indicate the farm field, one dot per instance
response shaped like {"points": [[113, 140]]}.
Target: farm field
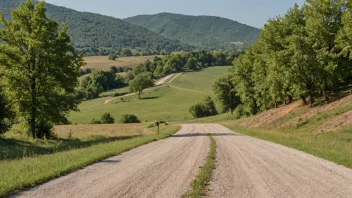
{"points": [[170, 102], [104, 64]]}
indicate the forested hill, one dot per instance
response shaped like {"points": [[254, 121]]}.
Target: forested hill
{"points": [[201, 31], [90, 30]]}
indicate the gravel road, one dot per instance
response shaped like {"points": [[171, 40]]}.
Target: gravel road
{"points": [[246, 167]]}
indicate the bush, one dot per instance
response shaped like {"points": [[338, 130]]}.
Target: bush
{"points": [[45, 130], [107, 119], [129, 118], [239, 112], [94, 121], [205, 109]]}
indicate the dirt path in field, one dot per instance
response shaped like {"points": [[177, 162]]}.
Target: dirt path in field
{"points": [[246, 167], [162, 81]]}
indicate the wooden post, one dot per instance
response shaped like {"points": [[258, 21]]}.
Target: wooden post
{"points": [[157, 124]]}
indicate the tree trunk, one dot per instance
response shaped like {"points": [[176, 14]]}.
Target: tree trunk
{"points": [[34, 109], [311, 99], [139, 94], [289, 99], [325, 94], [304, 100]]}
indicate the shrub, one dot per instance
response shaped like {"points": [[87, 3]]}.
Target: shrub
{"points": [[45, 130], [94, 121], [129, 118], [205, 109], [107, 119], [239, 112]]}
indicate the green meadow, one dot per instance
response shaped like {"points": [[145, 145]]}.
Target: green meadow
{"points": [[169, 102]]}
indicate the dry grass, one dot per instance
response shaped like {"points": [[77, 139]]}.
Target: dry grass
{"points": [[319, 109], [104, 64], [336, 123], [107, 130]]}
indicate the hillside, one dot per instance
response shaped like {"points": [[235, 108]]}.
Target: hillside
{"points": [[89, 30], [169, 102], [201, 31]]}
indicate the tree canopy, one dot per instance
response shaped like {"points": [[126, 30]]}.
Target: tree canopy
{"points": [[39, 66], [303, 55]]}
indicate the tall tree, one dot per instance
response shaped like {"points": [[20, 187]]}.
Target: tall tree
{"points": [[324, 20], [141, 82], [39, 65], [225, 91]]}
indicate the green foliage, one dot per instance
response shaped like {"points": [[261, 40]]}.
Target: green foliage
{"points": [[112, 56], [6, 113], [180, 61], [94, 121], [192, 63], [204, 32], [129, 119], [141, 82], [99, 81], [45, 130], [94, 34], [107, 119], [205, 109], [225, 90], [239, 111], [126, 52], [39, 66], [303, 54]]}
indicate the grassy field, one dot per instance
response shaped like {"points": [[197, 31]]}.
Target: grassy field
{"points": [[170, 102], [26, 163], [103, 63]]}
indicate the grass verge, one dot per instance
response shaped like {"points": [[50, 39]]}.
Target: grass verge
{"points": [[199, 185], [334, 146], [28, 172]]}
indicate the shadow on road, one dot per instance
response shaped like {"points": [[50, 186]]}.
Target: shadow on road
{"points": [[110, 161], [204, 134]]}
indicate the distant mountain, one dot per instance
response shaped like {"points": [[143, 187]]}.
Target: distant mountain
{"points": [[201, 31], [90, 30]]}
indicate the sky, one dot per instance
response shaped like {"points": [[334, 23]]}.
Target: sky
{"points": [[250, 12]]}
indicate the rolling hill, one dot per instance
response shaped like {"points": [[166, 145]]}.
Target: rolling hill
{"points": [[89, 30], [202, 31]]}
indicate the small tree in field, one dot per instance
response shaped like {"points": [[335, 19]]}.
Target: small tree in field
{"points": [[129, 119], [107, 119], [112, 57], [39, 66], [141, 82]]}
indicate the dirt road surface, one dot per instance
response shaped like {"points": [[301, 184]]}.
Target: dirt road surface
{"points": [[161, 169], [246, 167]]}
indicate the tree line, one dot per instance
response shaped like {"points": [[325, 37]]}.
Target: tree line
{"points": [[304, 55], [142, 76]]}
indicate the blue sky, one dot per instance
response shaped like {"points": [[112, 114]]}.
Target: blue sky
{"points": [[251, 12]]}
